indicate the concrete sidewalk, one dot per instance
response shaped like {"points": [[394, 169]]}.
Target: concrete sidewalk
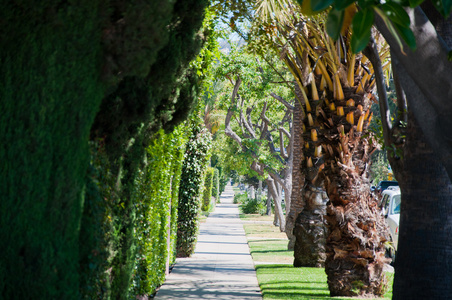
{"points": [[221, 267]]}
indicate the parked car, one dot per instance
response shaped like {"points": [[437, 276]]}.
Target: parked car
{"points": [[384, 184], [390, 206]]}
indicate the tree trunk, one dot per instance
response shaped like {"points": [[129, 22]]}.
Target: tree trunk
{"points": [[276, 195], [424, 255], [310, 231], [252, 194], [356, 229], [432, 74], [355, 247], [298, 180], [269, 204], [259, 191]]}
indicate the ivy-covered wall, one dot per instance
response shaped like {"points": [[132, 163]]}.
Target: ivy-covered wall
{"points": [[156, 201], [196, 159]]}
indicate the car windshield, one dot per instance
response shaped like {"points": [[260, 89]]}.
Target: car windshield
{"points": [[396, 206]]}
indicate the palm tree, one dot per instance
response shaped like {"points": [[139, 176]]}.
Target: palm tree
{"points": [[335, 87]]}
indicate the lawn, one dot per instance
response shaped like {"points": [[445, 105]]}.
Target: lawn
{"points": [[277, 278]]}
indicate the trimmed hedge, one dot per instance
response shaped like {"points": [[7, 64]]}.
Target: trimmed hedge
{"points": [[216, 185], [69, 223], [153, 87], [156, 202], [224, 178], [50, 93], [196, 159], [207, 191]]}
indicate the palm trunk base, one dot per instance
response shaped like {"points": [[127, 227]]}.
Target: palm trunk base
{"points": [[355, 250], [310, 239], [310, 231], [346, 279]]}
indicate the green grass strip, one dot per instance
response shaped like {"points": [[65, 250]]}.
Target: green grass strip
{"points": [[277, 278]]}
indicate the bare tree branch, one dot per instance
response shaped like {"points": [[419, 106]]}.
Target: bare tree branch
{"points": [[264, 126], [280, 99], [248, 124], [401, 97], [282, 132], [267, 134], [227, 123], [281, 145], [371, 52]]}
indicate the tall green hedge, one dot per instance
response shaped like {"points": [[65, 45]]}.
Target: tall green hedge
{"points": [[216, 185], [50, 92], [196, 158], [99, 237], [223, 178], [148, 46], [156, 220], [207, 190], [107, 72]]}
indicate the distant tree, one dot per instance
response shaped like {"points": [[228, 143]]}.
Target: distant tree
{"points": [[254, 125]]}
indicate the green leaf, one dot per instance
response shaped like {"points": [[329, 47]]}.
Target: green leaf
{"points": [[363, 4], [407, 36], [319, 5], [443, 6], [361, 25], [404, 3], [396, 13], [415, 3], [343, 4], [334, 23]]}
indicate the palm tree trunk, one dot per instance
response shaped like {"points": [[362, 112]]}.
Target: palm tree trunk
{"points": [[356, 228], [310, 230], [297, 202]]}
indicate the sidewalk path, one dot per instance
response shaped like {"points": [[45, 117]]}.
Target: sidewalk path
{"points": [[221, 267]]}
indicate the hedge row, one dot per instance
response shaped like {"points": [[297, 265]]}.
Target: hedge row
{"points": [[156, 202], [155, 196], [50, 93], [105, 75], [207, 191], [196, 158], [216, 185]]}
